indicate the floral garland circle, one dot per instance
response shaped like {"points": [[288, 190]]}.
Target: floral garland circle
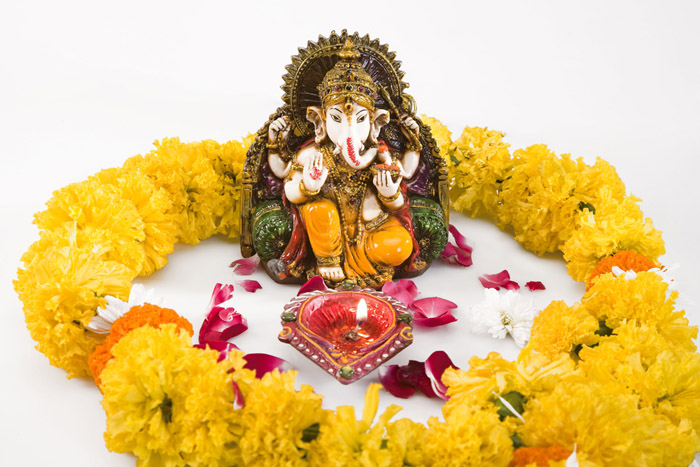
{"points": [[615, 378]]}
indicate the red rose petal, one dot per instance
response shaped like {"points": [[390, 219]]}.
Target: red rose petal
{"points": [[313, 284], [221, 294], [251, 286], [264, 363], [433, 311], [435, 366], [535, 285], [389, 377], [245, 266], [413, 374], [496, 281], [404, 291]]}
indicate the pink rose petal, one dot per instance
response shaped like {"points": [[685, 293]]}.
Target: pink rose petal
{"points": [[223, 347], [404, 291], [389, 377], [238, 400], [264, 363], [312, 285], [461, 254], [221, 325], [433, 311], [221, 294], [535, 285], [245, 266], [421, 320], [250, 286], [496, 281], [435, 366], [460, 239]]}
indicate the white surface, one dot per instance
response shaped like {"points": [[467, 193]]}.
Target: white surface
{"points": [[84, 85]]}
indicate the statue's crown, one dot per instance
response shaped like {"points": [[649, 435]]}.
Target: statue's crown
{"points": [[348, 79]]}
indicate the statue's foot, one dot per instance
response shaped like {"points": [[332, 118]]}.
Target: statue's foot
{"points": [[331, 273]]}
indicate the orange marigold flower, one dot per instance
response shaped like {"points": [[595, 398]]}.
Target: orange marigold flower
{"points": [[627, 260], [539, 456], [138, 316]]}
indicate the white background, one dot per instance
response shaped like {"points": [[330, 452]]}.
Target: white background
{"points": [[84, 85]]}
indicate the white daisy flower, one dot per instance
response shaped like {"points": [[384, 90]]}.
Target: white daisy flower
{"points": [[502, 314], [116, 308]]}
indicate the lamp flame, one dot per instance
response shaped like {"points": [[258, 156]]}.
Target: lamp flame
{"points": [[361, 312]]}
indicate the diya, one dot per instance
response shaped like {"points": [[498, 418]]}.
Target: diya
{"points": [[344, 180], [347, 333]]}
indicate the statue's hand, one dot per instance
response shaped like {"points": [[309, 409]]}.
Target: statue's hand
{"points": [[314, 174], [278, 129], [386, 186], [409, 124]]}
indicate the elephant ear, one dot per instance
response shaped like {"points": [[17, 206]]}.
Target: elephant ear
{"points": [[381, 118], [314, 115]]}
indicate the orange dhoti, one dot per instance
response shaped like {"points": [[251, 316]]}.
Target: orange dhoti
{"points": [[387, 245]]}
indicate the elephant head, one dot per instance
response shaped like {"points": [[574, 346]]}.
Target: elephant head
{"points": [[352, 128]]}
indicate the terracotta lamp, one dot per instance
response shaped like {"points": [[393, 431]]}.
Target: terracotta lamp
{"points": [[347, 333]]}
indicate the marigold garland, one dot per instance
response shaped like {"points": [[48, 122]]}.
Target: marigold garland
{"points": [[617, 375]]}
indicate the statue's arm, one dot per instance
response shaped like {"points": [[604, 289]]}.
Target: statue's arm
{"points": [[411, 157], [278, 133]]}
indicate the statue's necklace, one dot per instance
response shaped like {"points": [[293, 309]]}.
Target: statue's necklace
{"points": [[349, 186]]}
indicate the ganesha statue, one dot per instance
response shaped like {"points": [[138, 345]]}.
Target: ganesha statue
{"points": [[344, 181]]}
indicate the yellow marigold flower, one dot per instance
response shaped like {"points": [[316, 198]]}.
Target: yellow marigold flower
{"points": [[442, 135], [606, 425], [101, 217], [530, 373], [278, 422], [674, 381], [228, 160], [155, 209], [539, 198], [169, 403], [344, 440], [560, 328], [615, 226], [645, 298], [405, 440], [61, 289], [593, 178], [470, 436], [195, 188], [477, 167]]}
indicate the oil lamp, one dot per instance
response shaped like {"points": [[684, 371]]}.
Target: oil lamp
{"points": [[347, 333]]}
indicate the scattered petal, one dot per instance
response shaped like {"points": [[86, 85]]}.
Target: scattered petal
{"points": [[312, 285], [264, 363], [404, 291], [222, 293], [250, 286], [238, 400], [496, 281], [509, 406], [245, 266], [389, 377], [414, 374], [433, 311], [535, 285], [503, 314], [461, 254], [402, 381], [435, 366]]}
